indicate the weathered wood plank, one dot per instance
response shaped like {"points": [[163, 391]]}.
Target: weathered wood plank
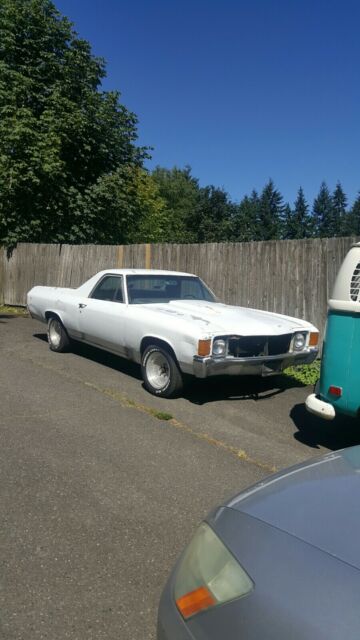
{"points": [[293, 276]]}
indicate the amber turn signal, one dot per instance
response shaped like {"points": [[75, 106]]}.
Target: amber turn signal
{"points": [[204, 347], [314, 339], [195, 601]]}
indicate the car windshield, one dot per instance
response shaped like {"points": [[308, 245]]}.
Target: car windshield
{"points": [[148, 289]]}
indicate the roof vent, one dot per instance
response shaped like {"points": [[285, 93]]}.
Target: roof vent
{"points": [[355, 283]]}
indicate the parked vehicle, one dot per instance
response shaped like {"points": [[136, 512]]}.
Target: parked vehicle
{"points": [[338, 389], [172, 324], [279, 561]]}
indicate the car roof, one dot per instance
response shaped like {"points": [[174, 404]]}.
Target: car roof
{"points": [[156, 272], [317, 502]]}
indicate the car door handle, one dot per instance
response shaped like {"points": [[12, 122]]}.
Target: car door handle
{"points": [[82, 305]]}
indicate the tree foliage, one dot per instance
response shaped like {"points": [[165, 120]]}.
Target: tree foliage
{"points": [[181, 194], [339, 203], [71, 171], [297, 221], [352, 220], [63, 141], [323, 213], [270, 213]]}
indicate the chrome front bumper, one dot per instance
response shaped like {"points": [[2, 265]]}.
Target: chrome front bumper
{"points": [[203, 367]]}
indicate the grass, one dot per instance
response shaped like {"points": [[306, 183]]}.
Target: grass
{"points": [[13, 311], [161, 415], [306, 374]]}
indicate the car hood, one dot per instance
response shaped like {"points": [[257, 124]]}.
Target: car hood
{"points": [[318, 502], [223, 318]]}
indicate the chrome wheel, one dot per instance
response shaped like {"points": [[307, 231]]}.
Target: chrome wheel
{"points": [[158, 370], [58, 338], [55, 333]]}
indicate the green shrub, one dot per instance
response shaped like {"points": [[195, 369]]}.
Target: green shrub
{"points": [[306, 374]]}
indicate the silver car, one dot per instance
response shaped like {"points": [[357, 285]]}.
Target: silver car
{"points": [[280, 561]]}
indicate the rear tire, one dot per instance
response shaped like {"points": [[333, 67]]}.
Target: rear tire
{"points": [[160, 372], [58, 338]]}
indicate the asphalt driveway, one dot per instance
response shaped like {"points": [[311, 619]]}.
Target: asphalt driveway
{"points": [[99, 493]]}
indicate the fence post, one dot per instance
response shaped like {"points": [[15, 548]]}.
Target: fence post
{"points": [[148, 256]]}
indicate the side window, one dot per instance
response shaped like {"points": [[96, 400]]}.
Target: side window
{"points": [[109, 288]]}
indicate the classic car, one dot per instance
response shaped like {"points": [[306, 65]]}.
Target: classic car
{"points": [[172, 324], [280, 561]]}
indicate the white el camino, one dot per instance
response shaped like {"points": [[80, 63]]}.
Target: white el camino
{"points": [[172, 324]]}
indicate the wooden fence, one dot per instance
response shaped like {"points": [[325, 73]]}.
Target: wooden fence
{"points": [[294, 277]]}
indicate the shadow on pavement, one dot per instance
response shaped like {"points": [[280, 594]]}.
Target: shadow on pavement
{"points": [[7, 316], [333, 434], [236, 388], [196, 391], [102, 357]]}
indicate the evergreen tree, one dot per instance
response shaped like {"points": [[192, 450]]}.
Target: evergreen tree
{"points": [[352, 227], [289, 227], [339, 216], [244, 226], [323, 213], [270, 213], [215, 213], [297, 222]]}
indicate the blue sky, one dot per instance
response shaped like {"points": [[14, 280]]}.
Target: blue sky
{"points": [[240, 91]]}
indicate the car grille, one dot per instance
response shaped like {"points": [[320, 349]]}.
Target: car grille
{"points": [[248, 346]]}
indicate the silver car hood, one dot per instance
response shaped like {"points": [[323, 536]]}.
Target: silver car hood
{"points": [[317, 502], [227, 319]]}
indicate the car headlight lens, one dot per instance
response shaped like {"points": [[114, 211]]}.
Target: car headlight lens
{"points": [[299, 341], [219, 347], [208, 575]]}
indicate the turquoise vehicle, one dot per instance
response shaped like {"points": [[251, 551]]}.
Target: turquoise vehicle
{"points": [[338, 389]]}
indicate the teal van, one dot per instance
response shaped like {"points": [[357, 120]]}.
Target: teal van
{"points": [[338, 389]]}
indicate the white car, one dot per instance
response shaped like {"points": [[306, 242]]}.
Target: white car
{"points": [[172, 324]]}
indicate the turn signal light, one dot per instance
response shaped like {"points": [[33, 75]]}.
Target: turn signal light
{"points": [[195, 601], [314, 339], [335, 391], [204, 347]]}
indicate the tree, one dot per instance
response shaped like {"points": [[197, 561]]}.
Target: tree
{"points": [[215, 212], [152, 222], [244, 226], [339, 216], [181, 194], [297, 223], [323, 213], [61, 137], [353, 219], [270, 213]]}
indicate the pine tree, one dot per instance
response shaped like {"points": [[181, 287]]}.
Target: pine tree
{"points": [[215, 213], [322, 213], [353, 219], [244, 220], [297, 221], [339, 217], [270, 213]]}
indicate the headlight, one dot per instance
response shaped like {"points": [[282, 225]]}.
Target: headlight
{"points": [[299, 341], [219, 347], [208, 575]]}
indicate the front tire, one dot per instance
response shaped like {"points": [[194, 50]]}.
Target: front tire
{"points": [[58, 338], [160, 372]]}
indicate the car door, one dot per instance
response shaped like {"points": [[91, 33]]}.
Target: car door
{"points": [[102, 315]]}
